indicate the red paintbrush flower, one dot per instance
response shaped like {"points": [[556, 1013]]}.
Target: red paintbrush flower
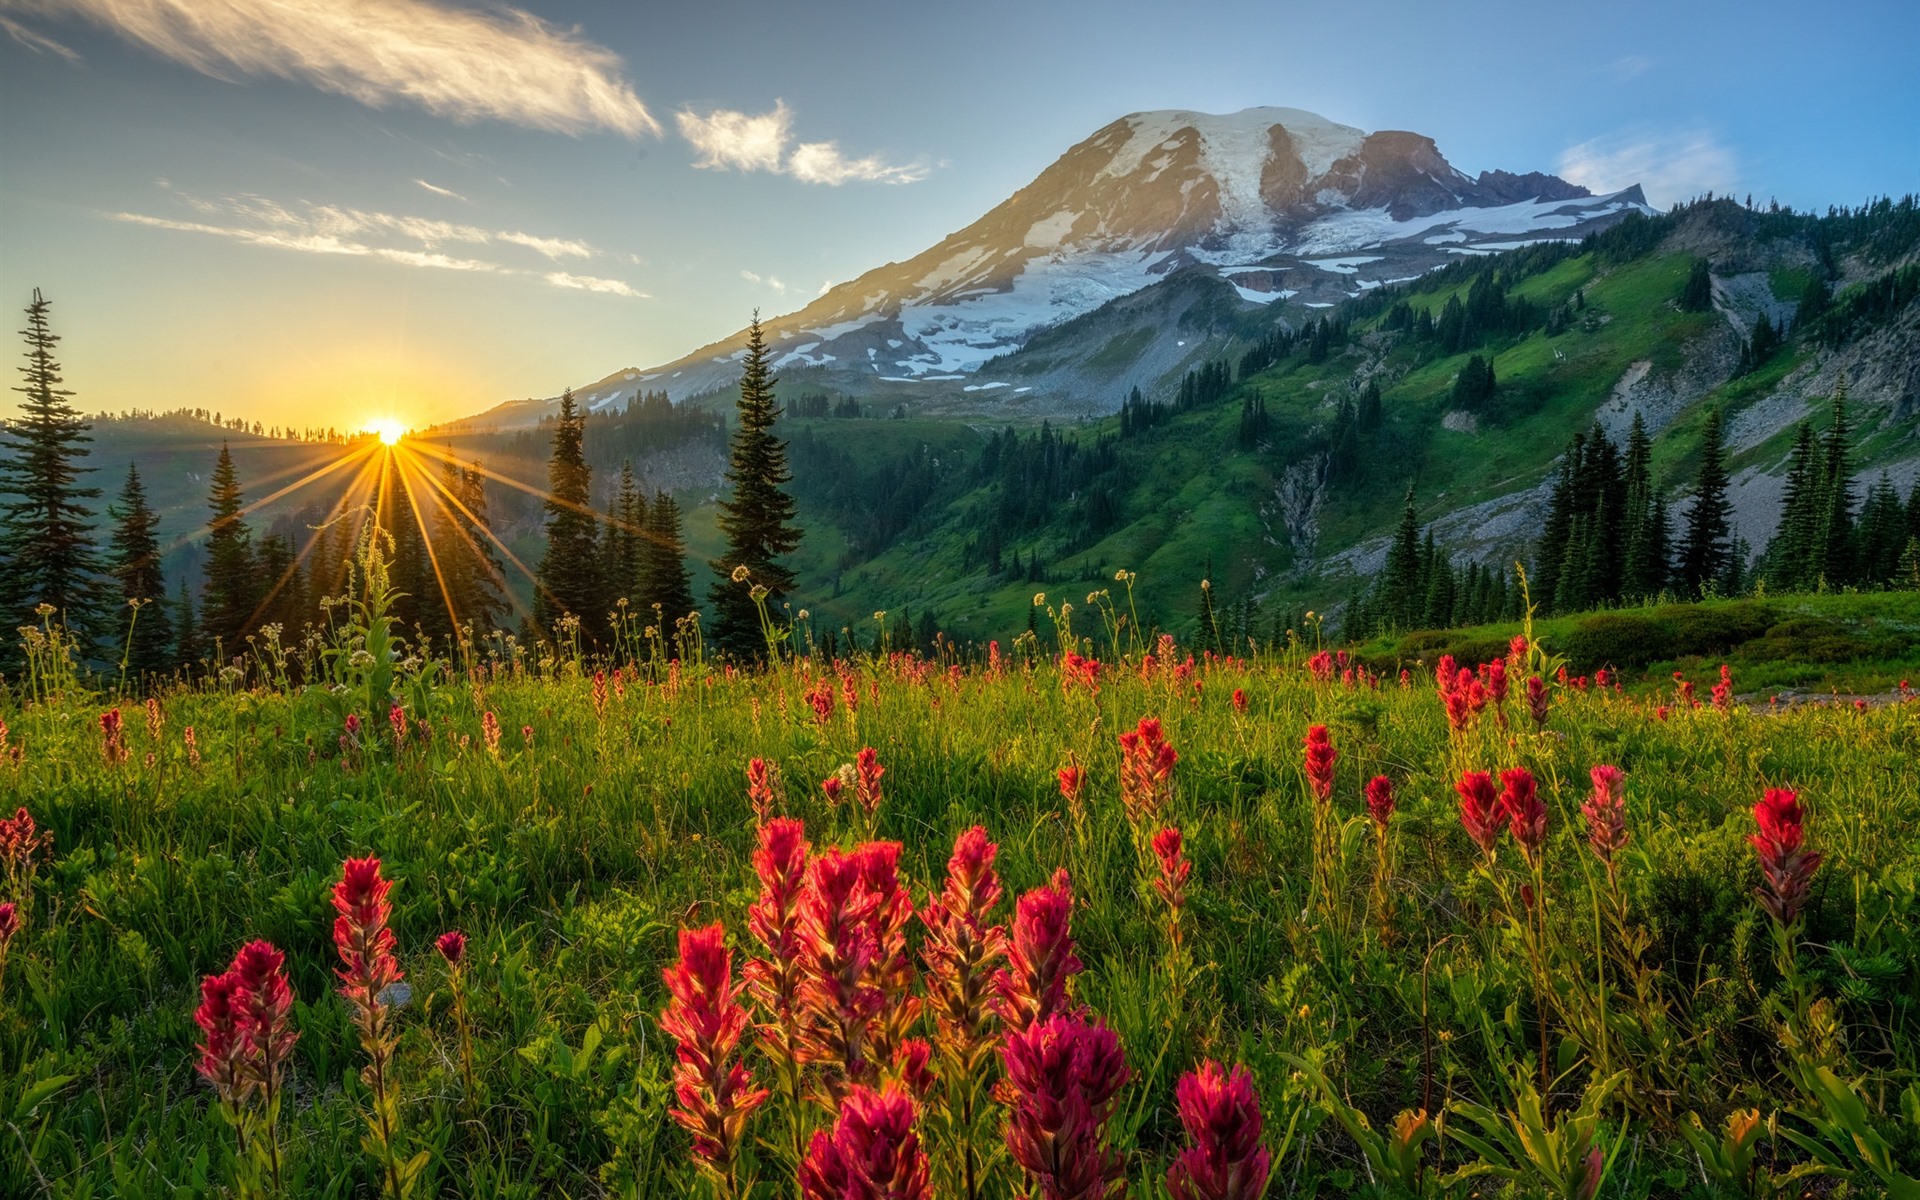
{"points": [[223, 1043], [913, 1069], [1174, 868], [1786, 865], [1224, 1159], [1062, 1075], [361, 936], [760, 789], [1380, 800], [452, 946], [1480, 813], [715, 1092], [838, 997], [1040, 961], [868, 772], [1146, 772], [1239, 700], [1606, 813], [891, 970], [1320, 759], [1537, 701], [264, 1000], [872, 1153], [960, 950], [1526, 815]]}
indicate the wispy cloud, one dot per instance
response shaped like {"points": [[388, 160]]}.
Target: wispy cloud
{"points": [[465, 63], [437, 190], [728, 140], [1670, 166], [389, 237], [39, 43], [589, 283], [770, 282]]}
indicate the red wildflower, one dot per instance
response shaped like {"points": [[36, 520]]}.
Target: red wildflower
{"points": [[774, 921], [820, 697], [1321, 665], [223, 1043], [1606, 813], [960, 950], [872, 1153], [838, 998], [834, 787], [760, 789], [397, 721], [1146, 772], [892, 970], [715, 1092], [9, 922], [111, 743], [1040, 961], [1480, 811], [21, 844], [1537, 701], [1497, 681], [452, 946], [1723, 690], [1072, 780], [1239, 700], [912, 1067], [1786, 866], [1224, 1159], [1062, 1076], [1380, 799], [1526, 815], [264, 1001], [353, 725], [867, 764], [1174, 868], [1320, 759], [361, 936]]}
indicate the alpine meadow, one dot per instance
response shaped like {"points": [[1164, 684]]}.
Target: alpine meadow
{"points": [[1260, 664]]}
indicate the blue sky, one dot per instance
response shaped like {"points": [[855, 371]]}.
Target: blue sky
{"points": [[319, 213]]}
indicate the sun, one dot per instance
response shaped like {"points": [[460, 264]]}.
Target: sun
{"points": [[388, 430]]}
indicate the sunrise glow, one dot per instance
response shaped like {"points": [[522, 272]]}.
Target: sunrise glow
{"points": [[388, 430]]}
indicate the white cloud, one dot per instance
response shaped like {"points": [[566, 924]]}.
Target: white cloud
{"points": [[822, 162], [39, 43], [735, 140], [465, 63], [1670, 166], [726, 140], [388, 237], [589, 283], [766, 281], [449, 193]]}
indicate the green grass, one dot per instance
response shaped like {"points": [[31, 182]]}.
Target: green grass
{"points": [[573, 855]]}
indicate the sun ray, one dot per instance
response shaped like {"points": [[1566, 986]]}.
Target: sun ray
{"points": [[313, 476], [476, 523], [529, 489], [356, 486], [401, 462]]}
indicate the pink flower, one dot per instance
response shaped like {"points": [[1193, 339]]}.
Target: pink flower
{"points": [[223, 1041], [834, 789], [715, 1092], [1239, 700], [452, 946], [9, 923], [360, 933], [1319, 762], [1062, 1075], [1380, 800], [774, 920], [760, 790], [1174, 867], [868, 772], [264, 1000], [1073, 780], [1033, 984], [1537, 701], [1224, 1159], [960, 950], [838, 997]]}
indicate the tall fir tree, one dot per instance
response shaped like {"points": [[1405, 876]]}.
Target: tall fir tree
{"points": [[133, 562], [464, 548], [664, 566], [757, 516], [1790, 556], [1835, 554], [1882, 535], [1551, 553], [569, 576], [1643, 572], [1402, 591], [626, 533], [47, 554], [1706, 553], [188, 649], [231, 587]]}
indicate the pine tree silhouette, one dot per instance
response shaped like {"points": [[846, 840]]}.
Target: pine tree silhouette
{"points": [[757, 517], [134, 563], [569, 575], [231, 589]]}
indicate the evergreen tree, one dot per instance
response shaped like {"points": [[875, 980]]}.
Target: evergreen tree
{"points": [[1473, 388], [757, 518], [1551, 553], [188, 650], [1642, 574], [1439, 607], [1706, 553], [568, 580], [47, 554], [1835, 545], [664, 551], [134, 564], [626, 533], [1790, 556], [1883, 534], [1697, 294], [1402, 591], [464, 547], [231, 588]]}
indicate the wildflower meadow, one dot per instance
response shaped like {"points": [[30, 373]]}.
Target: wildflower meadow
{"points": [[1072, 917]]}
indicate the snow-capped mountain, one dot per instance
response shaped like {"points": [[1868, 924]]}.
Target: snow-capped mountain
{"points": [[1281, 203]]}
